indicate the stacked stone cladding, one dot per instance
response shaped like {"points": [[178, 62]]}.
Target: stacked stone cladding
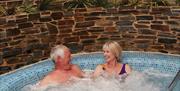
{"points": [[28, 38]]}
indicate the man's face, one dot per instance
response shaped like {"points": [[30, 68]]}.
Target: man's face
{"points": [[67, 56]]}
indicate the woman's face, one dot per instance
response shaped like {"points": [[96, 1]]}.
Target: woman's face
{"points": [[108, 55]]}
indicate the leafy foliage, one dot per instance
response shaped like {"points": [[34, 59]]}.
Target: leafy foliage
{"points": [[7, 11], [134, 3], [160, 2], [102, 3], [26, 7], [178, 2], [29, 7], [77, 4], [113, 3], [44, 4], [2, 11]]}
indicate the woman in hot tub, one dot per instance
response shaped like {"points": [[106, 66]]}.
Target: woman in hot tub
{"points": [[112, 66]]}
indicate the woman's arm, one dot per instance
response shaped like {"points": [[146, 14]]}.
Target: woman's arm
{"points": [[97, 72]]}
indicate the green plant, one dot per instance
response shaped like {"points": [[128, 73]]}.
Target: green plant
{"points": [[77, 4], [26, 7], [160, 3], [178, 2], [102, 3], [59, 1], [44, 4], [133, 3], [117, 3], [3, 11], [139, 3], [87, 3]]}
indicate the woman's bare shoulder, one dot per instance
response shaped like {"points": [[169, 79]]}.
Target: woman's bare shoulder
{"points": [[128, 68]]}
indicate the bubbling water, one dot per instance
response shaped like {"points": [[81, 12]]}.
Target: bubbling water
{"points": [[136, 81]]}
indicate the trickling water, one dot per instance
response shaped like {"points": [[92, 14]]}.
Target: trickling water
{"points": [[136, 81]]}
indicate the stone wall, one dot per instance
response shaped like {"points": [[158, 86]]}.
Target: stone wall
{"points": [[28, 38]]}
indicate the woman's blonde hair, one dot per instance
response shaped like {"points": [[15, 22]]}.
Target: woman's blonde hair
{"points": [[56, 51], [115, 48]]}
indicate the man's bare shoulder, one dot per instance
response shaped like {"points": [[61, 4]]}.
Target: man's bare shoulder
{"points": [[50, 77]]}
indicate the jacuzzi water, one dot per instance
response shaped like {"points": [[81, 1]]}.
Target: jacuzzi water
{"points": [[149, 80]]}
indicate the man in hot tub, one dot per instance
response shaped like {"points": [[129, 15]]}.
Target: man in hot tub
{"points": [[64, 70]]}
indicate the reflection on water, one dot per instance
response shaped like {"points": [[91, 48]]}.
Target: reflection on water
{"points": [[136, 81]]}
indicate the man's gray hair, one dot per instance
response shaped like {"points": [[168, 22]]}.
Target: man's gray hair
{"points": [[57, 51]]}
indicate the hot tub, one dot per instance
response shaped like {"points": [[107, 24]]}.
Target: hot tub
{"points": [[139, 61]]}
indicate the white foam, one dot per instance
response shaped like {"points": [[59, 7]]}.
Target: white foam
{"points": [[136, 81]]}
